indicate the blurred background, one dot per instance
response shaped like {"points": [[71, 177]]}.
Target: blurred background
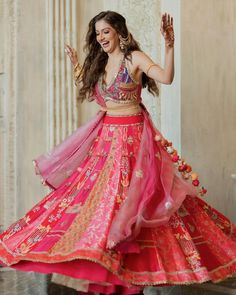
{"points": [[38, 109]]}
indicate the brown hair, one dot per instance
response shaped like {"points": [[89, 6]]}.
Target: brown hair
{"points": [[96, 58]]}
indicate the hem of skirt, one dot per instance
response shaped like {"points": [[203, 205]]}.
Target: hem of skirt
{"points": [[200, 275]]}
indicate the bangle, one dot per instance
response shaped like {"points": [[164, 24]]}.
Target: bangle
{"points": [[152, 65], [77, 71], [77, 66]]}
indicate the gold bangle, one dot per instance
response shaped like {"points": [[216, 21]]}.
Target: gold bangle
{"points": [[76, 76], [77, 71], [77, 65], [152, 65]]}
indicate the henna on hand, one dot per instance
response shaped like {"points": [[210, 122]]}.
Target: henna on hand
{"points": [[167, 30]]}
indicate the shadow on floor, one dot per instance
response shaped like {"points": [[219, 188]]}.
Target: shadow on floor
{"points": [[21, 283]]}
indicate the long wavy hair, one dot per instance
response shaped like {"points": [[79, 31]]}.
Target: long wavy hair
{"points": [[96, 58]]}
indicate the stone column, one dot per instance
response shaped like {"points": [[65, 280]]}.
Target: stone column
{"points": [[62, 117], [22, 128], [37, 106], [8, 19], [171, 94]]}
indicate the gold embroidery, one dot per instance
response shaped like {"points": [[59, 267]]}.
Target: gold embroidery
{"points": [[130, 140], [80, 223], [74, 208], [44, 229], [125, 180], [89, 167], [139, 173]]}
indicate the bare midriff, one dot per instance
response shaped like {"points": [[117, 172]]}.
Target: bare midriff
{"points": [[113, 108]]}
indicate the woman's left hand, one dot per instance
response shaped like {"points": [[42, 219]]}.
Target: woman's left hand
{"points": [[72, 53], [167, 29]]}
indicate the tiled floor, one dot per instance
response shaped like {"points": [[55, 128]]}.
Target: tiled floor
{"points": [[21, 283]]}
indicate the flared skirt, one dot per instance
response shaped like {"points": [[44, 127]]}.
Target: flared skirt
{"points": [[67, 232]]}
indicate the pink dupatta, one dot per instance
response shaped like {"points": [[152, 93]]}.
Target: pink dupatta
{"points": [[59, 163], [154, 194]]}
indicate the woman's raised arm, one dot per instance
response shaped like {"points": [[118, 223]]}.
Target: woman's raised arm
{"points": [[155, 71]]}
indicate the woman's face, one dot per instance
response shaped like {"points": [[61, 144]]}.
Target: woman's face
{"points": [[107, 37]]}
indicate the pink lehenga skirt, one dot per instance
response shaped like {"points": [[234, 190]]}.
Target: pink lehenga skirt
{"points": [[68, 232]]}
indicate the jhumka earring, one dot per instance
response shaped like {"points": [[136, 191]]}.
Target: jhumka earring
{"points": [[124, 42]]}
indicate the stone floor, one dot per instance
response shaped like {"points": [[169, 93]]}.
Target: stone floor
{"points": [[20, 283]]}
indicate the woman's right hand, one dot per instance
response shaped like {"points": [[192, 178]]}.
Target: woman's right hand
{"points": [[167, 29], [72, 53]]}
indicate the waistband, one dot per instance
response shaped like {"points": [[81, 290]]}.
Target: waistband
{"points": [[135, 107], [123, 120]]}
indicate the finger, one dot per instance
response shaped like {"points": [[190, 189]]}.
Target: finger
{"points": [[68, 53], [68, 50], [71, 50], [70, 56], [162, 26], [67, 46], [164, 22], [74, 51]]}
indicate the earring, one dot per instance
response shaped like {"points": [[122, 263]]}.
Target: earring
{"points": [[124, 42]]}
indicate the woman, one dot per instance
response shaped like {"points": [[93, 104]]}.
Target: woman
{"points": [[125, 210]]}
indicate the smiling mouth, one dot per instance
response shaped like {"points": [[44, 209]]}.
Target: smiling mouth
{"points": [[105, 44]]}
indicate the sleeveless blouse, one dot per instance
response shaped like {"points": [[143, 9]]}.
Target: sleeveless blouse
{"points": [[123, 89]]}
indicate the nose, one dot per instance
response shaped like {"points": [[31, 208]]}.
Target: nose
{"points": [[101, 37]]}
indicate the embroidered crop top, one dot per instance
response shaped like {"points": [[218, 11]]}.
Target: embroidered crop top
{"points": [[123, 88]]}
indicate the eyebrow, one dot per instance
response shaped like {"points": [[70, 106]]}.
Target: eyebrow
{"points": [[103, 29]]}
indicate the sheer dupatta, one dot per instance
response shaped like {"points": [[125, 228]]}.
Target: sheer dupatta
{"points": [[56, 165], [59, 163], [156, 191]]}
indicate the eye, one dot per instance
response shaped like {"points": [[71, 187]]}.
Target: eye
{"points": [[106, 32]]}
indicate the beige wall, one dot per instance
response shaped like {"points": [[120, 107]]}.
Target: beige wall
{"points": [[23, 104], [208, 108]]}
